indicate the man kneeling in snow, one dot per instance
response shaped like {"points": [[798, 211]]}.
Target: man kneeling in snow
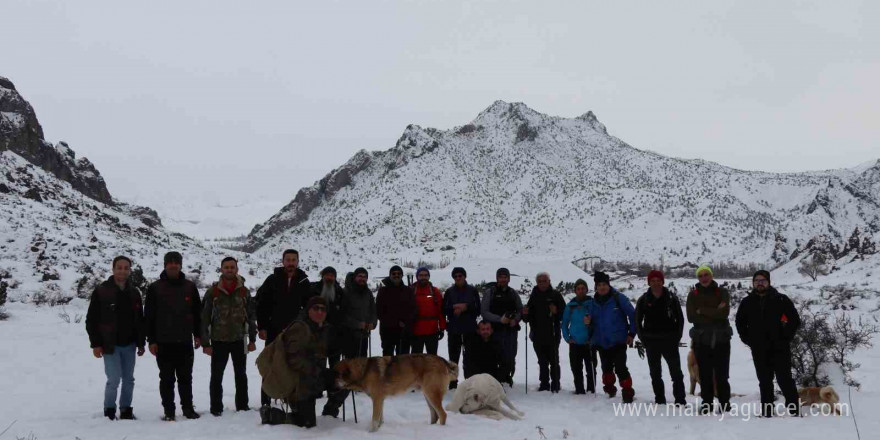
{"points": [[481, 394]]}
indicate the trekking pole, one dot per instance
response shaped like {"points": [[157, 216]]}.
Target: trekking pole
{"points": [[527, 357]]}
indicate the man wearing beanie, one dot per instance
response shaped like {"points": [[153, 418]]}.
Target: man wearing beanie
{"points": [[613, 323], [172, 313], [306, 344], [544, 312], [461, 305], [358, 310], [502, 306], [576, 334], [708, 306], [659, 325], [767, 321], [329, 289], [396, 307], [430, 322]]}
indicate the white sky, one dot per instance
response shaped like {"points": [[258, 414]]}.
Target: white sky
{"points": [[231, 100]]}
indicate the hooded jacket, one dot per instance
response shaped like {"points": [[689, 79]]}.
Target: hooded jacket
{"points": [[172, 310]]}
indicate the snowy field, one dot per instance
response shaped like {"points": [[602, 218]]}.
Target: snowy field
{"points": [[51, 388]]}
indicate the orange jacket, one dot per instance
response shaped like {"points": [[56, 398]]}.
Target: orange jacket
{"points": [[429, 306]]}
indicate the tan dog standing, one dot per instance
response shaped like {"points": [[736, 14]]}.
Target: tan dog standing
{"points": [[386, 376]]}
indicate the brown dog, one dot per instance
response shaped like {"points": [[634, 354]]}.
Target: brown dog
{"points": [[385, 376], [694, 372], [820, 396]]}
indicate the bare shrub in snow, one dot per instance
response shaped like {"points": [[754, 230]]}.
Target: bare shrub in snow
{"points": [[813, 266]]}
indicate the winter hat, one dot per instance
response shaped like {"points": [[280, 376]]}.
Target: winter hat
{"points": [[395, 269], [317, 300], [579, 282], [423, 269], [458, 270], [763, 273], [601, 277], [702, 269], [328, 269], [502, 271], [656, 274], [361, 270]]}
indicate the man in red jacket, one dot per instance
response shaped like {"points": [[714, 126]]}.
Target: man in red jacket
{"points": [[430, 321]]}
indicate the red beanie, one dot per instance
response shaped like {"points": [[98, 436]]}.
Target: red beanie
{"points": [[656, 274]]}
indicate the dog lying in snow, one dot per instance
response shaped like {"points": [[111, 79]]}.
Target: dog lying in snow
{"points": [[820, 396], [481, 394]]}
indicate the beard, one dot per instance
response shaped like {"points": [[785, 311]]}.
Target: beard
{"points": [[328, 292]]}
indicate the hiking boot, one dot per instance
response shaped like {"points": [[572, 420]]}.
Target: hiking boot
{"points": [[725, 407], [127, 414], [579, 391], [453, 385], [216, 412], [190, 413], [610, 390], [330, 412], [110, 413], [544, 387], [169, 416], [243, 408], [555, 387], [628, 394], [680, 402]]}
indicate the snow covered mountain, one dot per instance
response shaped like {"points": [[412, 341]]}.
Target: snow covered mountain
{"points": [[515, 183], [59, 226]]}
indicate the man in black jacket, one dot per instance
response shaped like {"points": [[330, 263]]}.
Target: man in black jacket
{"points": [[114, 323], [544, 312], [461, 305], [502, 306], [483, 353], [280, 300], [767, 321], [659, 325], [173, 312]]}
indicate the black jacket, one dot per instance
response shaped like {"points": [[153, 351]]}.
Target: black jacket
{"points": [[334, 308], [482, 356], [395, 305], [659, 320], [767, 321], [545, 328], [279, 303], [115, 317], [173, 310]]}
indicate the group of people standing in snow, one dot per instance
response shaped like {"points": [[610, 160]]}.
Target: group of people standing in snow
{"points": [[336, 321]]}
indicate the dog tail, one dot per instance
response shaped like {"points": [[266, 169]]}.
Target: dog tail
{"points": [[452, 369], [829, 395]]}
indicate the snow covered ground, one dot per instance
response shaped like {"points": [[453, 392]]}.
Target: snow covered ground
{"points": [[51, 388]]}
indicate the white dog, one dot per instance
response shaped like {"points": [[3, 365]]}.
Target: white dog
{"points": [[482, 395]]}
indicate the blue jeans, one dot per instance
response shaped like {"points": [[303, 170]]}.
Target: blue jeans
{"points": [[119, 366]]}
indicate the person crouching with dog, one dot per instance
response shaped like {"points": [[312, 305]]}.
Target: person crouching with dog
{"points": [[767, 321], [306, 345]]}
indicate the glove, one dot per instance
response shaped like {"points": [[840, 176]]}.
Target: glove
{"points": [[439, 335]]}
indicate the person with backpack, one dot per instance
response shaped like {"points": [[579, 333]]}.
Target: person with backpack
{"points": [[461, 305], [357, 322], [306, 348], [659, 325], [708, 306], [396, 308], [613, 327], [576, 334], [767, 322], [228, 316], [114, 323], [280, 299], [430, 322], [502, 306], [173, 312], [544, 312]]}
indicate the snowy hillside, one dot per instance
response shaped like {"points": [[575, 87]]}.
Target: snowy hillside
{"points": [[515, 183]]}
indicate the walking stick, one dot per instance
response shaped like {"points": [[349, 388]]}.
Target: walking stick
{"points": [[527, 357]]}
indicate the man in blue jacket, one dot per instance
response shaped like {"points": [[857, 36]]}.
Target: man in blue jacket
{"points": [[613, 326], [461, 305], [576, 333]]}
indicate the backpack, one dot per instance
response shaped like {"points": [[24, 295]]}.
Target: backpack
{"points": [[278, 381]]}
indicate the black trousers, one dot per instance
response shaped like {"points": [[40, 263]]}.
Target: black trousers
{"points": [[509, 346], [714, 364], [304, 413], [580, 357], [428, 343], [770, 362], [219, 358], [669, 351], [353, 345], [394, 343], [548, 362], [455, 343], [175, 361], [614, 361]]}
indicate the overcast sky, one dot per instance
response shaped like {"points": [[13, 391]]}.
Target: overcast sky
{"points": [[258, 99]]}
